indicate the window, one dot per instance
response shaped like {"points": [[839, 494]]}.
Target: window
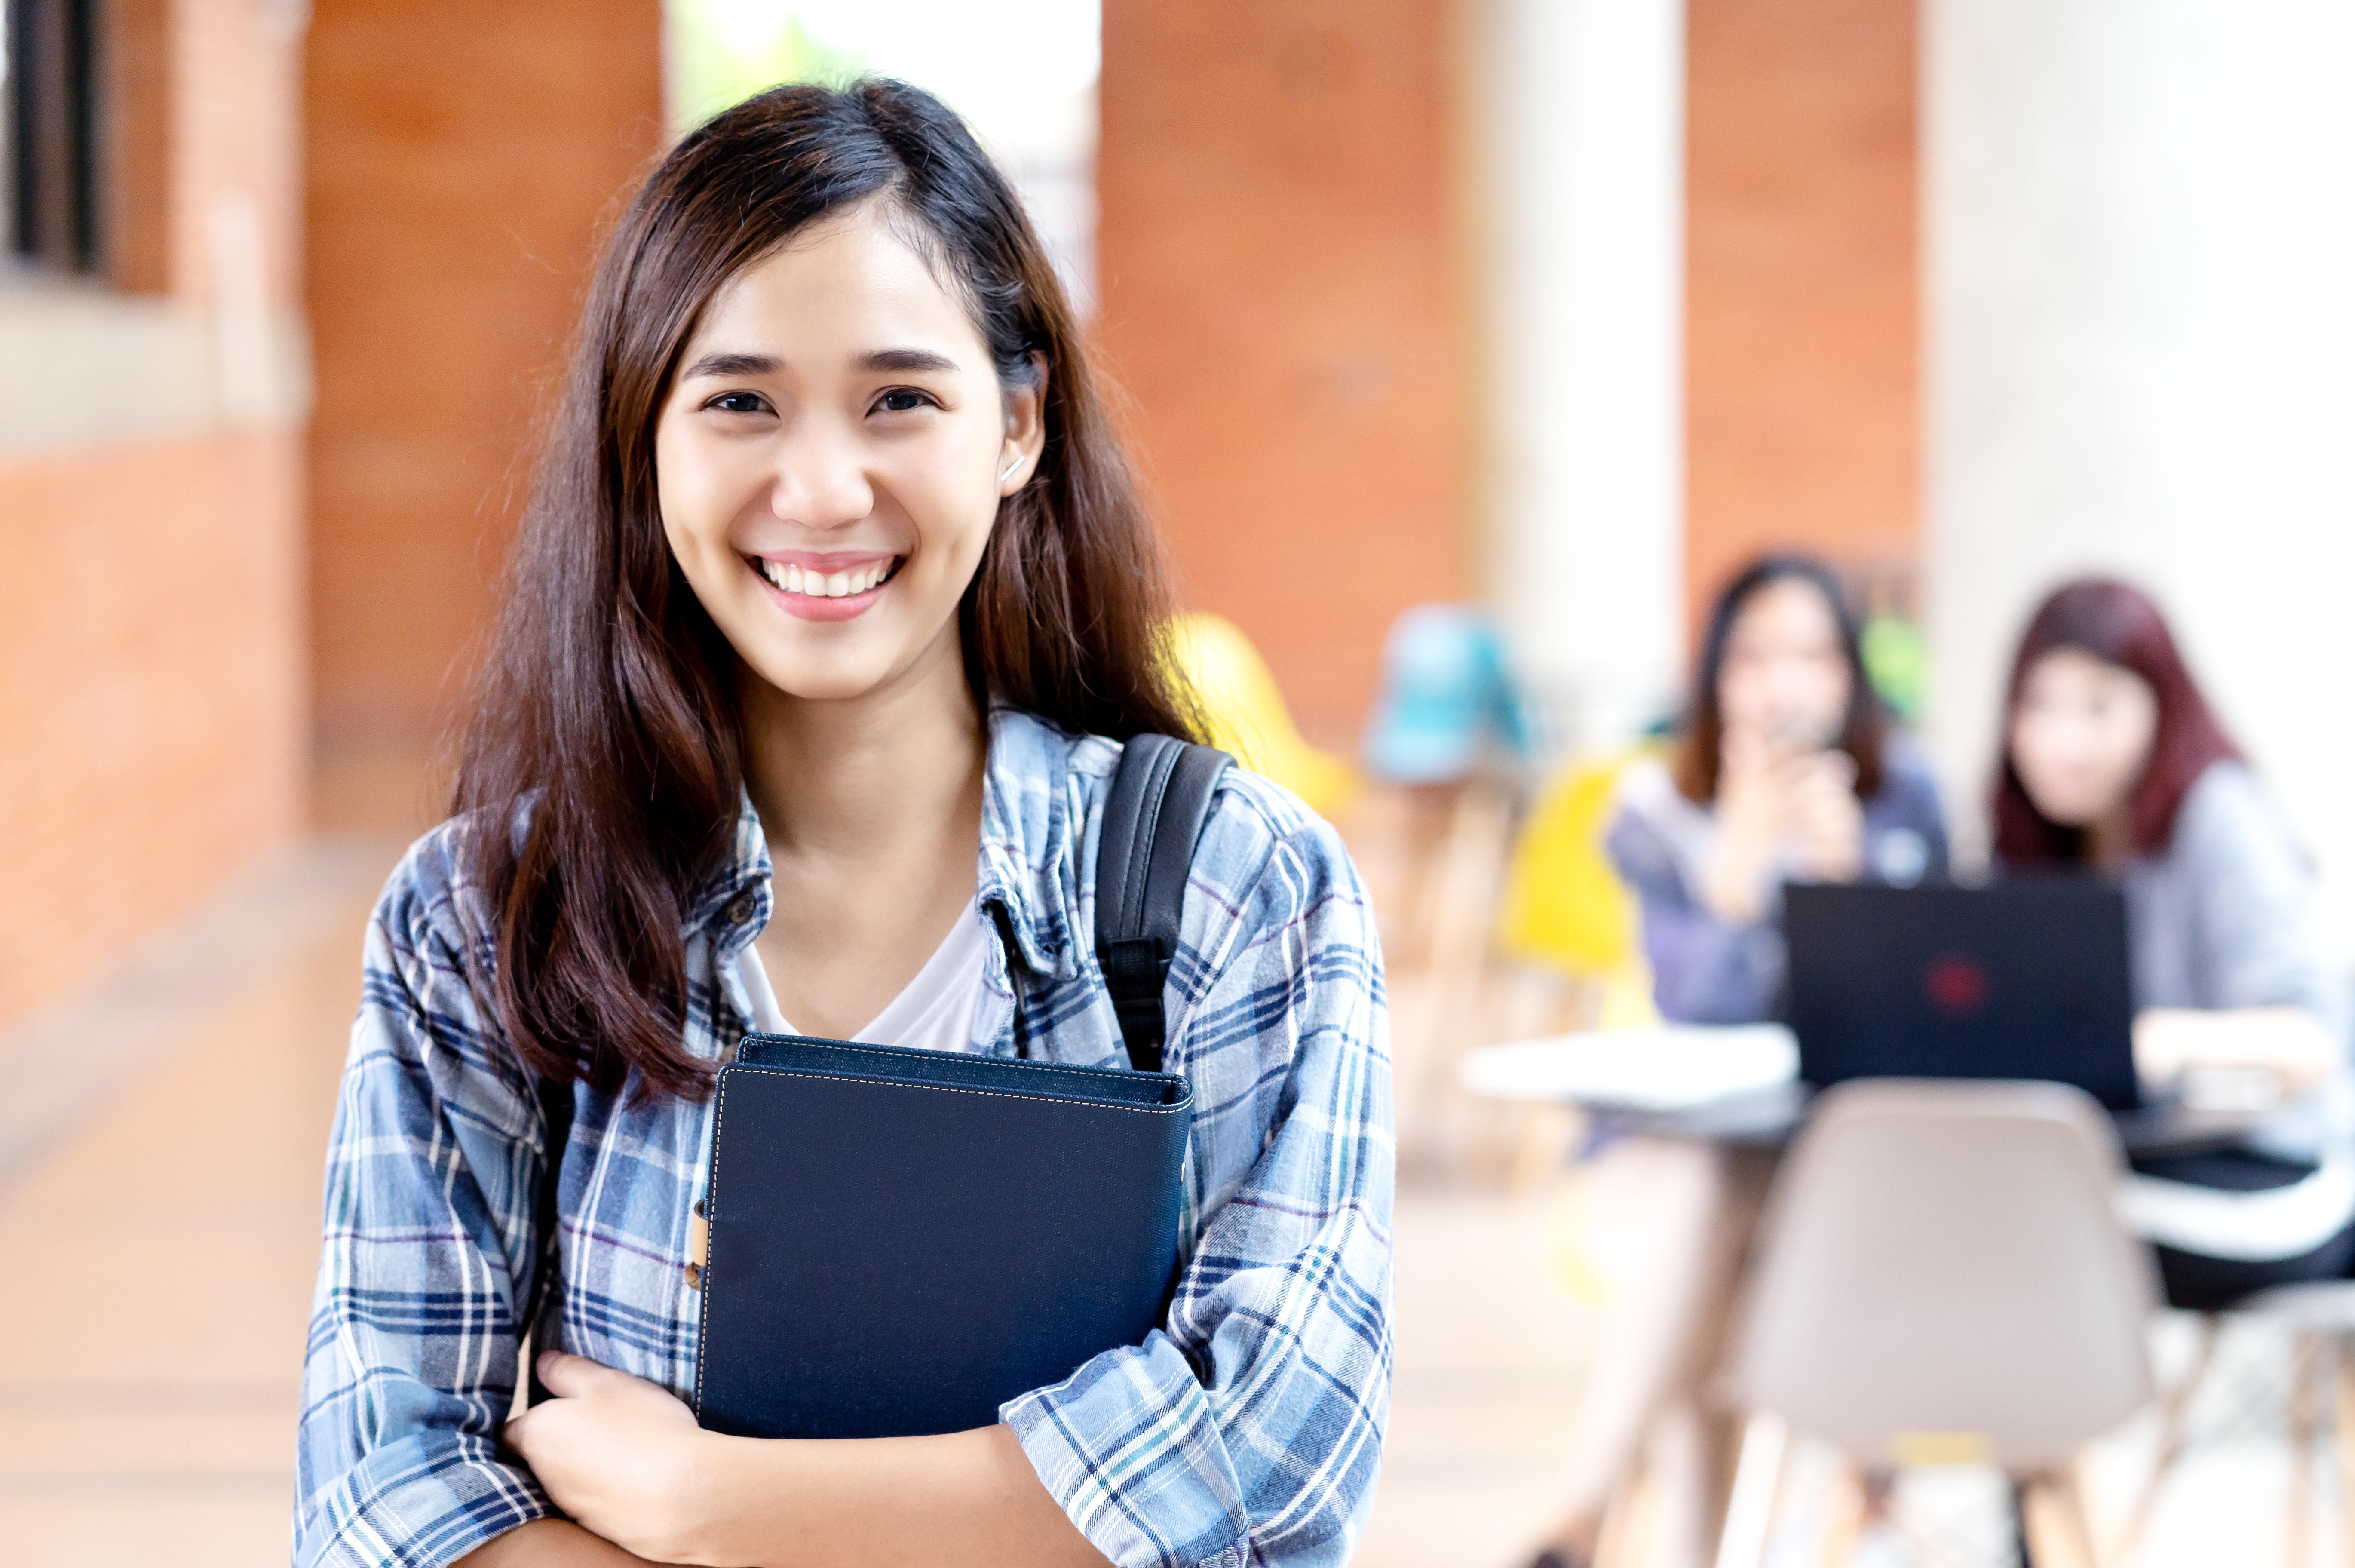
{"points": [[50, 132]]}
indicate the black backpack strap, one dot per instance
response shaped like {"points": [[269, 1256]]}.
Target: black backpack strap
{"points": [[1160, 797], [556, 1115]]}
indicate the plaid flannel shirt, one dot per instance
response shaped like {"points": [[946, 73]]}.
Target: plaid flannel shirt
{"points": [[1246, 1430]]}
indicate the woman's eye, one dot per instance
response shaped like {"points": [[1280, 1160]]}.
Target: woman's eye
{"points": [[902, 400], [739, 403]]}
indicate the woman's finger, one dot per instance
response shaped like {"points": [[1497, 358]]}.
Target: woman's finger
{"points": [[570, 1376]]}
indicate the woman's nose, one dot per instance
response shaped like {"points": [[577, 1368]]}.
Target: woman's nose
{"points": [[822, 483]]}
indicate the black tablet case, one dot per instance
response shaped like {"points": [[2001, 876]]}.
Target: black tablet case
{"points": [[901, 1240]]}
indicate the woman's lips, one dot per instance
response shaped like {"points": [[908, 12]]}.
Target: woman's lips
{"points": [[825, 588]]}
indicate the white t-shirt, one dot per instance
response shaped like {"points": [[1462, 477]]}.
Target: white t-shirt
{"points": [[934, 1012]]}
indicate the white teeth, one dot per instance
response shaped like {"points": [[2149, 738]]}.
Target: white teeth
{"points": [[822, 585]]}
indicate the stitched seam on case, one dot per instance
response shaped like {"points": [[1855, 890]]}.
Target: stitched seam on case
{"points": [[710, 1244], [940, 1089], [1057, 1068], [718, 1121]]}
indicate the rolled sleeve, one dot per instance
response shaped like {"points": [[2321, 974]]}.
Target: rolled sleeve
{"points": [[410, 1364], [1131, 1448], [1252, 1429]]}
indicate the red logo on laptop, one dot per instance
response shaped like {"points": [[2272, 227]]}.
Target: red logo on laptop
{"points": [[1956, 984]]}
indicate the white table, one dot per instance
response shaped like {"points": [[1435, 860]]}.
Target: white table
{"points": [[1739, 1084]]}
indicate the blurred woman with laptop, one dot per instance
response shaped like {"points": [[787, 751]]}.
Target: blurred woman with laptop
{"points": [[1788, 768], [2114, 763]]}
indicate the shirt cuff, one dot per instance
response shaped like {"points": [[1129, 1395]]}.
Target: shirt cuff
{"points": [[421, 1502], [1128, 1446]]}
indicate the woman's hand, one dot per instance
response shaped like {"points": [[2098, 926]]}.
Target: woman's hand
{"points": [[2234, 1059], [623, 1457], [1772, 802], [1826, 821]]}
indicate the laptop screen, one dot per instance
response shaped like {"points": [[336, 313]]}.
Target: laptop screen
{"points": [[2021, 979]]}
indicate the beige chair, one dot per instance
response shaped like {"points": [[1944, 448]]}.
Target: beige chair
{"points": [[1941, 1277]]}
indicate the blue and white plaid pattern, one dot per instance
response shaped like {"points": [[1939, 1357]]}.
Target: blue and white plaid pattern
{"points": [[1247, 1430]]}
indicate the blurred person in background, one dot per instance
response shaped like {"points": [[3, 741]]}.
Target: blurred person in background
{"points": [[1788, 768], [833, 604], [2114, 764]]}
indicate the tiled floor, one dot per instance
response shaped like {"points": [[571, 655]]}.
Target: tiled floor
{"points": [[161, 1255], [160, 1156], [1489, 1351]]}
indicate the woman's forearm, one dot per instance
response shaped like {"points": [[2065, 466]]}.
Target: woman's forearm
{"points": [[970, 1498], [551, 1543], [628, 1460]]}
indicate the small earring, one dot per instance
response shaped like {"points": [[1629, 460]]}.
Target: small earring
{"points": [[1009, 469]]}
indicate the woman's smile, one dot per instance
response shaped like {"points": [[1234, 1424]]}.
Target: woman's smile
{"points": [[825, 587]]}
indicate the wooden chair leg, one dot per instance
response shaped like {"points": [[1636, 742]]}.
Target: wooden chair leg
{"points": [[2070, 1483], [1852, 1502], [2343, 1413], [1757, 1474], [1626, 1529], [2058, 1533], [2305, 1348], [2174, 1413]]}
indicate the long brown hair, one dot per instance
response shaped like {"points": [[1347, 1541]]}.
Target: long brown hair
{"points": [[601, 767], [2118, 623], [1700, 749]]}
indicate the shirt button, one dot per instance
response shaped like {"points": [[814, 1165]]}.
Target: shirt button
{"points": [[741, 907], [694, 1276], [698, 1208]]}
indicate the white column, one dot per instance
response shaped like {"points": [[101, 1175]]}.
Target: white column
{"points": [[2141, 311], [1578, 111]]}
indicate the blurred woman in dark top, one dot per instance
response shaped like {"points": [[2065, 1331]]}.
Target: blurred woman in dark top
{"points": [[1787, 770], [2115, 763]]}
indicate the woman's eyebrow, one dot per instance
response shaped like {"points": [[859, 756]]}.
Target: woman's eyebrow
{"points": [[906, 361], [734, 365], [899, 361]]}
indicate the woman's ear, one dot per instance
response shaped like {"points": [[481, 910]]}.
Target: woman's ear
{"points": [[1026, 430]]}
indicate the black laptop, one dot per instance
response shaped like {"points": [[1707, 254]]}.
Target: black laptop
{"points": [[2019, 979]]}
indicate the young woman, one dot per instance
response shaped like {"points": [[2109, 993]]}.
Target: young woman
{"points": [[1786, 769], [2114, 763], [833, 604]]}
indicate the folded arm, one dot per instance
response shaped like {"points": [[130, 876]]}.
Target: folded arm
{"points": [[411, 1359], [627, 1460]]}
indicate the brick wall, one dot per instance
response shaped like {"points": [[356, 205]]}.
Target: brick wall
{"points": [[461, 159], [152, 694], [1802, 310], [1278, 250], [150, 691]]}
